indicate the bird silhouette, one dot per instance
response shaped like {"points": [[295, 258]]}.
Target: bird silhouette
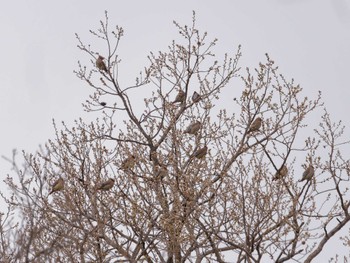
{"points": [[100, 64], [58, 185], [308, 173], [200, 153], [107, 185], [282, 172], [193, 128], [180, 97], [196, 97], [255, 125]]}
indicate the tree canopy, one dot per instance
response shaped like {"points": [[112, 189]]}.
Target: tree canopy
{"points": [[190, 176]]}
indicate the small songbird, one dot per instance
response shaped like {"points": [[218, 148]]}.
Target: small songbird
{"points": [[107, 185], [196, 97], [200, 153], [153, 156], [308, 173], [282, 172], [100, 63], [193, 128], [180, 97], [103, 104], [58, 185], [255, 125], [128, 163]]}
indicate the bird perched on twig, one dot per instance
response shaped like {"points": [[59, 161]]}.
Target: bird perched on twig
{"points": [[128, 163], [100, 64], [180, 97], [282, 172], [200, 153], [153, 156], [107, 185], [308, 173], [193, 128], [255, 125], [196, 97], [58, 185]]}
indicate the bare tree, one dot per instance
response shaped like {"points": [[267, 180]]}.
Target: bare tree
{"points": [[188, 178]]}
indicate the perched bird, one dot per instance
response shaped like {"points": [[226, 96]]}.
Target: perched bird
{"points": [[128, 163], [180, 97], [255, 125], [107, 185], [200, 153], [282, 172], [103, 104], [58, 185], [196, 97], [193, 128], [100, 63], [308, 173], [153, 156]]}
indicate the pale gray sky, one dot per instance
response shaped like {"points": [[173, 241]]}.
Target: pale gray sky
{"points": [[308, 39]]}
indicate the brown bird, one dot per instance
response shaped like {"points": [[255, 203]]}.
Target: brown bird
{"points": [[193, 128], [255, 125], [153, 156], [100, 63], [107, 185], [196, 97], [308, 173], [282, 172], [180, 97], [128, 163], [200, 153], [58, 185]]}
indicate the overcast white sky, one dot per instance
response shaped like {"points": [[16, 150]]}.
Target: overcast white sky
{"points": [[308, 39]]}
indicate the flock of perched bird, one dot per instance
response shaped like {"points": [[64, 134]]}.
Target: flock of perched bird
{"points": [[193, 128], [128, 163]]}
